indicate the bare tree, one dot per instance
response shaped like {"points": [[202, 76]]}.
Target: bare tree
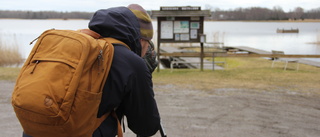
{"points": [[278, 13], [252, 13], [44, 14], [297, 13]]}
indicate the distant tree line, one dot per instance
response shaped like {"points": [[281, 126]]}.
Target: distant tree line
{"points": [[258, 13], [44, 15], [252, 13]]}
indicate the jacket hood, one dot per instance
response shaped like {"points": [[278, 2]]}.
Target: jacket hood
{"points": [[119, 23]]}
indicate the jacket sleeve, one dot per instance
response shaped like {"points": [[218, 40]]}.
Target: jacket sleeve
{"points": [[139, 104]]}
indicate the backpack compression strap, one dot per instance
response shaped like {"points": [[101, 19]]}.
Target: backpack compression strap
{"points": [[112, 113]]}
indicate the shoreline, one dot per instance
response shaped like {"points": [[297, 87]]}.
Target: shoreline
{"points": [[293, 21], [40, 19]]}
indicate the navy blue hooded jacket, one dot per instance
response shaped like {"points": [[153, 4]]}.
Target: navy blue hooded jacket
{"points": [[129, 86]]}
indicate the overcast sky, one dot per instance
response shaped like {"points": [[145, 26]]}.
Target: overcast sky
{"points": [[93, 5]]}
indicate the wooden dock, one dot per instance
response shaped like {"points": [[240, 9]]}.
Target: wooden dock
{"points": [[239, 51], [258, 51], [287, 30]]}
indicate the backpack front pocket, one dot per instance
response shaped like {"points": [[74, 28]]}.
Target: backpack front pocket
{"points": [[44, 87]]}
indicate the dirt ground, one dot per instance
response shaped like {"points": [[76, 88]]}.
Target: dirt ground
{"points": [[223, 113]]}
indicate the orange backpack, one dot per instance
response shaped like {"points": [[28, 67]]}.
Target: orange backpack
{"points": [[59, 88]]}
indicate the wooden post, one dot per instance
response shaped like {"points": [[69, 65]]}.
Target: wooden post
{"points": [[201, 56], [212, 61], [158, 57], [158, 48]]}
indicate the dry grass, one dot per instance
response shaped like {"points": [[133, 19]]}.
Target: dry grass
{"points": [[318, 39], [9, 54]]}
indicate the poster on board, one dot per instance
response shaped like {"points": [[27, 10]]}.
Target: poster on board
{"points": [[195, 25], [184, 37], [181, 27], [166, 30], [177, 37], [193, 34]]}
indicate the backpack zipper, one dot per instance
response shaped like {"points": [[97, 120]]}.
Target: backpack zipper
{"points": [[38, 37], [34, 40], [34, 67], [100, 59]]}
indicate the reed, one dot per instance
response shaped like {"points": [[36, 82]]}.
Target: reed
{"points": [[318, 38], [9, 53]]}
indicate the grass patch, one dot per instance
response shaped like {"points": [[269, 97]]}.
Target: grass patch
{"points": [[245, 73], [8, 73], [241, 73]]}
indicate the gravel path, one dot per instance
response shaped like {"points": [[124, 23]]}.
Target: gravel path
{"points": [[225, 113], [9, 125]]}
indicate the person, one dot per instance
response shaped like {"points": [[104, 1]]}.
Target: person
{"points": [[129, 87]]}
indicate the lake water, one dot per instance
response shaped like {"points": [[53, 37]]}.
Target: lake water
{"points": [[261, 35]]}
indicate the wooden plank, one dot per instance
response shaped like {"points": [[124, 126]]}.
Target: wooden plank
{"points": [[267, 55], [249, 49], [197, 54]]}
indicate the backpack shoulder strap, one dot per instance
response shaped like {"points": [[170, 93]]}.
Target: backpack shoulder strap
{"points": [[90, 33]]}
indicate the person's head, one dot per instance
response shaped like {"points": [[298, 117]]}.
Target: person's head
{"points": [[119, 23], [131, 25], [146, 28]]}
